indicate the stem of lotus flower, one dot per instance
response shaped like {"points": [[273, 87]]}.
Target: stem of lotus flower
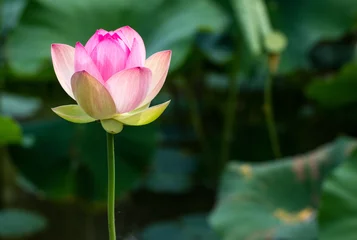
{"points": [[269, 117], [230, 114], [111, 186]]}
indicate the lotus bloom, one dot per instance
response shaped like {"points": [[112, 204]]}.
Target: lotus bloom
{"points": [[111, 79]]}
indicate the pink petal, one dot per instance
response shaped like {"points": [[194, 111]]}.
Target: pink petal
{"points": [[135, 58], [102, 31], [129, 87], [127, 34], [94, 40], [63, 64], [159, 64], [115, 36], [82, 61], [123, 45], [109, 58]]}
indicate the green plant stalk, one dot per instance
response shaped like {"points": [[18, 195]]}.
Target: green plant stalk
{"points": [[111, 186], [194, 113], [2, 177], [3, 166], [229, 116], [269, 117]]}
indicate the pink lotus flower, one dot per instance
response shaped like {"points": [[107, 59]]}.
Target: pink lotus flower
{"points": [[111, 79]]}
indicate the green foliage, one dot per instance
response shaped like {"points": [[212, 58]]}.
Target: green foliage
{"points": [[66, 161], [171, 171], [253, 22], [305, 23], [16, 223], [18, 106], [190, 227], [335, 91], [275, 199], [338, 211], [10, 131], [10, 12], [173, 25], [253, 26], [162, 24]]}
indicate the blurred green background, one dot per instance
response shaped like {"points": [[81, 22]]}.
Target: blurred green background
{"points": [[257, 143]]}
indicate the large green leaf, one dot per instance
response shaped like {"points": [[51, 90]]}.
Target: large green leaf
{"points": [[10, 13], [162, 24], [276, 199], [65, 160], [16, 223], [337, 90], [305, 22], [10, 131], [338, 211], [19, 107]]}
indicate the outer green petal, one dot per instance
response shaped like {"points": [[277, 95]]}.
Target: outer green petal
{"points": [[146, 106], [143, 117], [73, 113], [112, 126], [92, 96]]}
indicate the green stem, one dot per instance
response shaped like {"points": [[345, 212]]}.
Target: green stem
{"points": [[229, 116], [3, 166], [194, 113], [111, 186], [269, 117], [3, 174]]}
